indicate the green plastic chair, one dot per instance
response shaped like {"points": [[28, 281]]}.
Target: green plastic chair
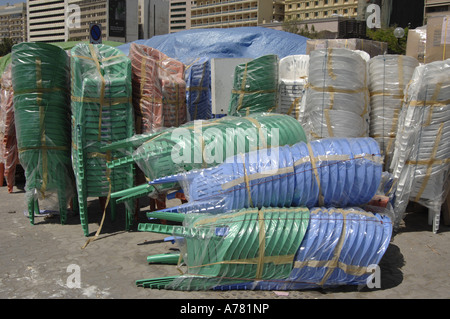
{"points": [[255, 87], [227, 248], [40, 75], [101, 114]]}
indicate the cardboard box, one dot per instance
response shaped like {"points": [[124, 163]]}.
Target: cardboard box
{"points": [[416, 44], [373, 48], [438, 38]]}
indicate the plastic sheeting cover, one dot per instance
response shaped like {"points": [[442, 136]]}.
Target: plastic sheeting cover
{"points": [[249, 42]]}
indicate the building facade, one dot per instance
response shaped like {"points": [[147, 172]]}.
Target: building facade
{"points": [[154, 17], [64, 20], [231, 13], [13, 22], [46, 21], [180, 15], [320, 9]]}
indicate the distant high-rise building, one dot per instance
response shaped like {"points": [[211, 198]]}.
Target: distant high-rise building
{"points": [[180, 15], [13, 22], [63, 20], [320, 9], [231, 13], [46, 21], [154, 17]]}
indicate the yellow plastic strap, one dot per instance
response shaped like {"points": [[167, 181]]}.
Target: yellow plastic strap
{"points": [[108, 177], [333, 263], [43, 146], [330, 64], [256, 176], [445, 38], [102, 89], [328, 121], [316, 173], [436, 92], [109, 101], [187, 67], [262, 245], [294, 107], [329, 89], [260, 131], [247, 182]]}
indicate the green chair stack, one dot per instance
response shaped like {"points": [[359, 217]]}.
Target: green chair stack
{"points": [[255, 87], [102, 113], [40, 75], [222, 249]]}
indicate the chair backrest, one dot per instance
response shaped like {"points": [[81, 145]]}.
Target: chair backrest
{"points": [[294, 67]]}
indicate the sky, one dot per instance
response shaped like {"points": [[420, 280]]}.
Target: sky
{"points": [[4, 2]]}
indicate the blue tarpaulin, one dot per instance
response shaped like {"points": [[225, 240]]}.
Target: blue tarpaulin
{"points": [[244, 42]]}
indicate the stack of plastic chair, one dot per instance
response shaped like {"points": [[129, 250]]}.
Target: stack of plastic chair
{"points": [[208, 143], [421, 158], [255, 87], [293, 78], [275, 249], [40, 75], [198, 89], [323, 173], [9, 157], [102, 113], [159, 89], [389, 75], [337, 102]]}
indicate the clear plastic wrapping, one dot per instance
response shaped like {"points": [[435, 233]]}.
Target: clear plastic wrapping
{"points": [[255, 87], [159, 89], [421, 157], [389, 75], [198, 89], [102, 113], [417, 43], [336, 100], [293, 78], [40, 77], [202, 144], [9, 156], [278, 249], [373, 48], [329, 172]]}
